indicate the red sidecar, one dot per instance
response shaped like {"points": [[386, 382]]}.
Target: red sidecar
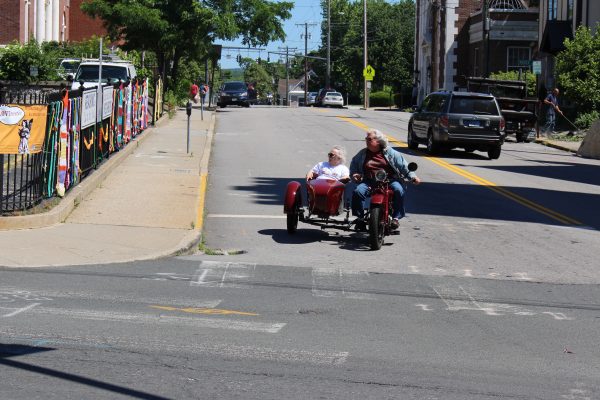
{"points": [[325, 201]]}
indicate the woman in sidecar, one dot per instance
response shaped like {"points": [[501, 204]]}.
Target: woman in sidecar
{"points": [[325, 184]]}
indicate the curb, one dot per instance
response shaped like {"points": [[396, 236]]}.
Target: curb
{"points": [[547, 143], [61, 211]]}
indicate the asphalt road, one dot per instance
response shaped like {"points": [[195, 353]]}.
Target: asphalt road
{"points": [[182, 329], [531, 215], [489, 292]]}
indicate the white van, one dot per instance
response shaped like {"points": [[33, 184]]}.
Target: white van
{"points": [[112, 72]]}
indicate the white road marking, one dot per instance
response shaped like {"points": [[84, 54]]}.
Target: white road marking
{"points": [[216, 274], [199, 322], [424, 307], [251, 216], [20, 310], [558, 316], [348, 282], [219, 349], [449, 294]]}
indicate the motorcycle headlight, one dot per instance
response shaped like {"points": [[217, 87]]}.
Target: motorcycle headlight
{"points": [[380, 175]]}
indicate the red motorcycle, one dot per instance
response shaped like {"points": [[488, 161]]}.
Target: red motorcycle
{"points": [[325, 205]]}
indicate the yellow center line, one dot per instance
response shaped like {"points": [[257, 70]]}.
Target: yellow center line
{"points": [[201, 200], [563, 219], [202, 310]]}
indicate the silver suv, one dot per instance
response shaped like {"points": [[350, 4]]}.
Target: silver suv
{"points": [[449, 119], [112, 72]]}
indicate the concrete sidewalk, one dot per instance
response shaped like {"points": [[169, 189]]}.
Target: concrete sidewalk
{"points": [[144, 202]]}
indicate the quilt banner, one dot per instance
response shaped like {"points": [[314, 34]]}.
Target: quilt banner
{"points": [[22, 128]]}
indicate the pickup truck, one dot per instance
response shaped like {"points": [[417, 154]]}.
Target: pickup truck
{"points": [[519, 112]]}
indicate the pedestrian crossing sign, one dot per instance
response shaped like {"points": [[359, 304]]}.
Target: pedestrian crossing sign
{"points": [[369, 73]]}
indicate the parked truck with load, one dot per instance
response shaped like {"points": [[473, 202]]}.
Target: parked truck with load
{"points": [[519, 111]]}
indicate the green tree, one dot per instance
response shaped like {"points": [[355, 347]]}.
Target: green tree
{"points": [[174, 29], [390, 39], [578, 69]]}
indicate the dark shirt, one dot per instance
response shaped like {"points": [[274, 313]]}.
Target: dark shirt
{"points": [[374, 162], [552, 99]]}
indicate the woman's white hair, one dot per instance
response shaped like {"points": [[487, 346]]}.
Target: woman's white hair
{"points": [[341, 153], [380, 137]]}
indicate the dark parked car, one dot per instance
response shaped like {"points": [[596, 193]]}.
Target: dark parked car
{"points": [[449, 119], [233, 93]]}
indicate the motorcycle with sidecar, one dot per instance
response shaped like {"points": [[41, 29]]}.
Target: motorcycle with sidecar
{"points": [[327, 207]]}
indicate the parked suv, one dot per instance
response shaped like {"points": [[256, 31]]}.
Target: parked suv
{"points": [[233, 93], [112, 72], [452, 119]]}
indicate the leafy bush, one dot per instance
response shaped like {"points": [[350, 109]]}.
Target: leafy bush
{"points": [[527, 76], [16, 61], [585, 120], [380, 99]]}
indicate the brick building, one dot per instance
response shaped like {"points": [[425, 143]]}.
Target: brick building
{"points": [[454, 40], [46, 20], [83, 27]]}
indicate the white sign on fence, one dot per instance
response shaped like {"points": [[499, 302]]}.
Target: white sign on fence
{"points": [[88, 108], [107, 102]]}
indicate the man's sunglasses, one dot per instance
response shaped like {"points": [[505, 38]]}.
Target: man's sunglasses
{"points": [[331, 155]]}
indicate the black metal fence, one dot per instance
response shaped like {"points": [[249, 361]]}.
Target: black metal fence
{"points": [[21, 175], [26, 179]]}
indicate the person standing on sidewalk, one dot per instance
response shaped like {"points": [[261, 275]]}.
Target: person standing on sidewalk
{"points": [[194, 93], [551, 102]]}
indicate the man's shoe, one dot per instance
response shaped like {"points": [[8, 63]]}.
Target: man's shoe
{"points": [[395, 224], [359, 225]]}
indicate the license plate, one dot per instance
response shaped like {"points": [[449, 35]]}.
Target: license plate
{"points": [[472, 123], [234, 99]]}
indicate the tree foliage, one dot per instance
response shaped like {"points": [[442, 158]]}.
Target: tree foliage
{"points": [[527, 77], [390, 43], [16, 61], [578, 69], [174, 29]]}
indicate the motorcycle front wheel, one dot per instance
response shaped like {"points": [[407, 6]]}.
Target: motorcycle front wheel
{"points": [[376, 228]]}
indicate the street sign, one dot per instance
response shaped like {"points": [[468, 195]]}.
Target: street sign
{"points": [[536, 67], [369, 73]]}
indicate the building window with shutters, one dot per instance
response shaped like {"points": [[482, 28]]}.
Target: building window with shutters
{"points": [[552, 9], [518, 58]]}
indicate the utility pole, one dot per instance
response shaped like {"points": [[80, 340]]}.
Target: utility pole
{"points": [[435, 59], [486, 35], [306, 24], [365, 60], [287, 73], [327, 76]]}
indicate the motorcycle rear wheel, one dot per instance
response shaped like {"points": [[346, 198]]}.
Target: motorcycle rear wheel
{"points": [[376, 228]]}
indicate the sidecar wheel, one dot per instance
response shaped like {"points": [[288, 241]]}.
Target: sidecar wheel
{"points": [[376, 229], [292, 216]]}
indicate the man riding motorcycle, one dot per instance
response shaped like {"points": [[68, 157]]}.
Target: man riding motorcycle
{"points": [[375, 156]]}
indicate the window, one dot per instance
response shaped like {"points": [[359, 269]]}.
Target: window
{"points": [[473, 105], [552, 9], [570, 10], [518, 58]]}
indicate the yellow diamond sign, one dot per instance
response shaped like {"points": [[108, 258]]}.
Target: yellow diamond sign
{"points": [[369, 73]]}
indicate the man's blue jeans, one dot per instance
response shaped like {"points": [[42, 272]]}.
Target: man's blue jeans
{"points": [[550, 122], [363, 191]]}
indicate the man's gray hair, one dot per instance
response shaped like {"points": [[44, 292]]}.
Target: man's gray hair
{"points": [[381, 138], [341, 152]]}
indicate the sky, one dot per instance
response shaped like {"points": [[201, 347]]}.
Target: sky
{"points": [[304, 11]]}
